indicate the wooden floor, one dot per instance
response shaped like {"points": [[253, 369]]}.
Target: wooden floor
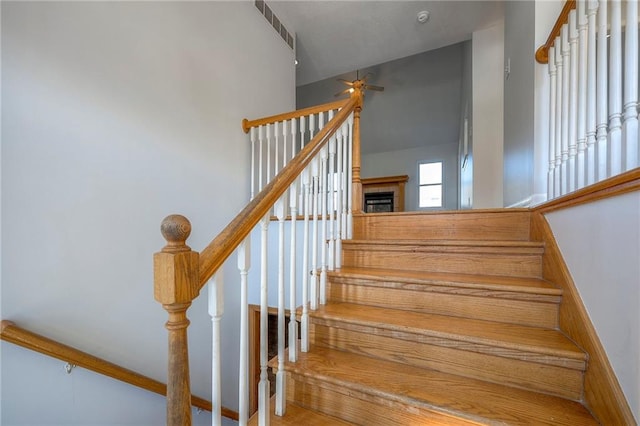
{"points": [[438, 319]]}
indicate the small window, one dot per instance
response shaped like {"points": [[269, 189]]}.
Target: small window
{"points": [[430, 181]]}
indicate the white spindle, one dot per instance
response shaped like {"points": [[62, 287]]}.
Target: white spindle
{"points": [[304, 321], [253, 161], [350, 180], [263, 385], [557, 189], [294, 130], [344, 187], [268, 156], [261, 156], [615, 89], [602, 78], [573, 101], [276, 135], [630, 126], [566, 84], [324, 213], [552, 123], [592, 9], [280, 382], [216, 310], [330, 200], [312, 126], [293, 322], [244, 263], [341, 212], [581, 18], [284, 143], [313, 280]]}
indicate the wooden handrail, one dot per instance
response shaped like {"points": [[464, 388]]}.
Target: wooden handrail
{"points": [[542, 54], [11, 333], [248, 124], [214, 255]]}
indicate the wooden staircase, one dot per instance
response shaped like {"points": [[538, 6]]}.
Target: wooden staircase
{"points": [[439, 318]]}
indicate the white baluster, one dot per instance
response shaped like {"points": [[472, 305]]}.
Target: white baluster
{"points": [[285, 159], [216, 310], [304, 321], [280, 375], [343, 185], [276, 134], [615, 89], [350, 180], [341, 209], [552, 122], [573, 101], [557, 189], [261, 156], [630, 126], [293, 322], [566, 85], [313, 281], [303, 129], [581, 18], [253, 161], [601, 89], [268, 156], [330, 200], [244, 263], [323, 209], [294, 130], [263, 385], [312, 125], [591, 91]]}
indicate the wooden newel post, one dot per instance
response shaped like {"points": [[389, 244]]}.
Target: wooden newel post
{"points": [[356, 180], [176, 284]]}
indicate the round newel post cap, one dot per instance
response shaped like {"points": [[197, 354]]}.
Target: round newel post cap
{"points": [[175, 229]]}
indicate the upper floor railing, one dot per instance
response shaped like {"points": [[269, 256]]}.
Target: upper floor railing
{"points": [[302, 163], [592, 57]]}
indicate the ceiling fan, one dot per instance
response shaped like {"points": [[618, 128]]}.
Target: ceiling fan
{"points": [[361, 83]]}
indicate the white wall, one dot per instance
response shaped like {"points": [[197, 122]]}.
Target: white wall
{"points": [[115, 115], [405, 162], [488, 54], [546, 13], [600, 243]]}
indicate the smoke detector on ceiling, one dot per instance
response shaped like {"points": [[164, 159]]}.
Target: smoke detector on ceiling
{"points": [[423, 16]]}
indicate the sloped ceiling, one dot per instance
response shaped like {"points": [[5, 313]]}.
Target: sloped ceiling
{"points": [[336, 37]]}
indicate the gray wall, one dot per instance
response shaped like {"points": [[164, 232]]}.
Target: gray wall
{"points": [[466, 111], [115, 115], [419, 109], [519, 48]]}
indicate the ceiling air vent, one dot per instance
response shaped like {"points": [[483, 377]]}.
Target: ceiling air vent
{"points": [[273, 20]]}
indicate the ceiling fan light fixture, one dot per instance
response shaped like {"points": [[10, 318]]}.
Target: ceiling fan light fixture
{"points": [[423, 16]]}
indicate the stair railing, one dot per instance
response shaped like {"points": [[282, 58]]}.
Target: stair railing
{"points": [[593, 123], [322, 183]]}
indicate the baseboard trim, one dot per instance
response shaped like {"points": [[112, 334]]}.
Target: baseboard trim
{"points": [[530, 201], [603, 394]]}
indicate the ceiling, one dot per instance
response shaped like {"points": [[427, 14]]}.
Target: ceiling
{"points": [[335, 37]]}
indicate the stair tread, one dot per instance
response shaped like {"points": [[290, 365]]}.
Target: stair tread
{"points": [[528, 339], [470, 398], [296, 415], [490, 282], [463, 243]]}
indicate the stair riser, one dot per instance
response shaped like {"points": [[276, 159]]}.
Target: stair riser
{"points": [[513, 226], [498, 365], [360, 407], [518, 265], [485, 305]]}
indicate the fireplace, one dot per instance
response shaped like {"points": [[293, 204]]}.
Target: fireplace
{"points": [[378, 202], [383, 194]]}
